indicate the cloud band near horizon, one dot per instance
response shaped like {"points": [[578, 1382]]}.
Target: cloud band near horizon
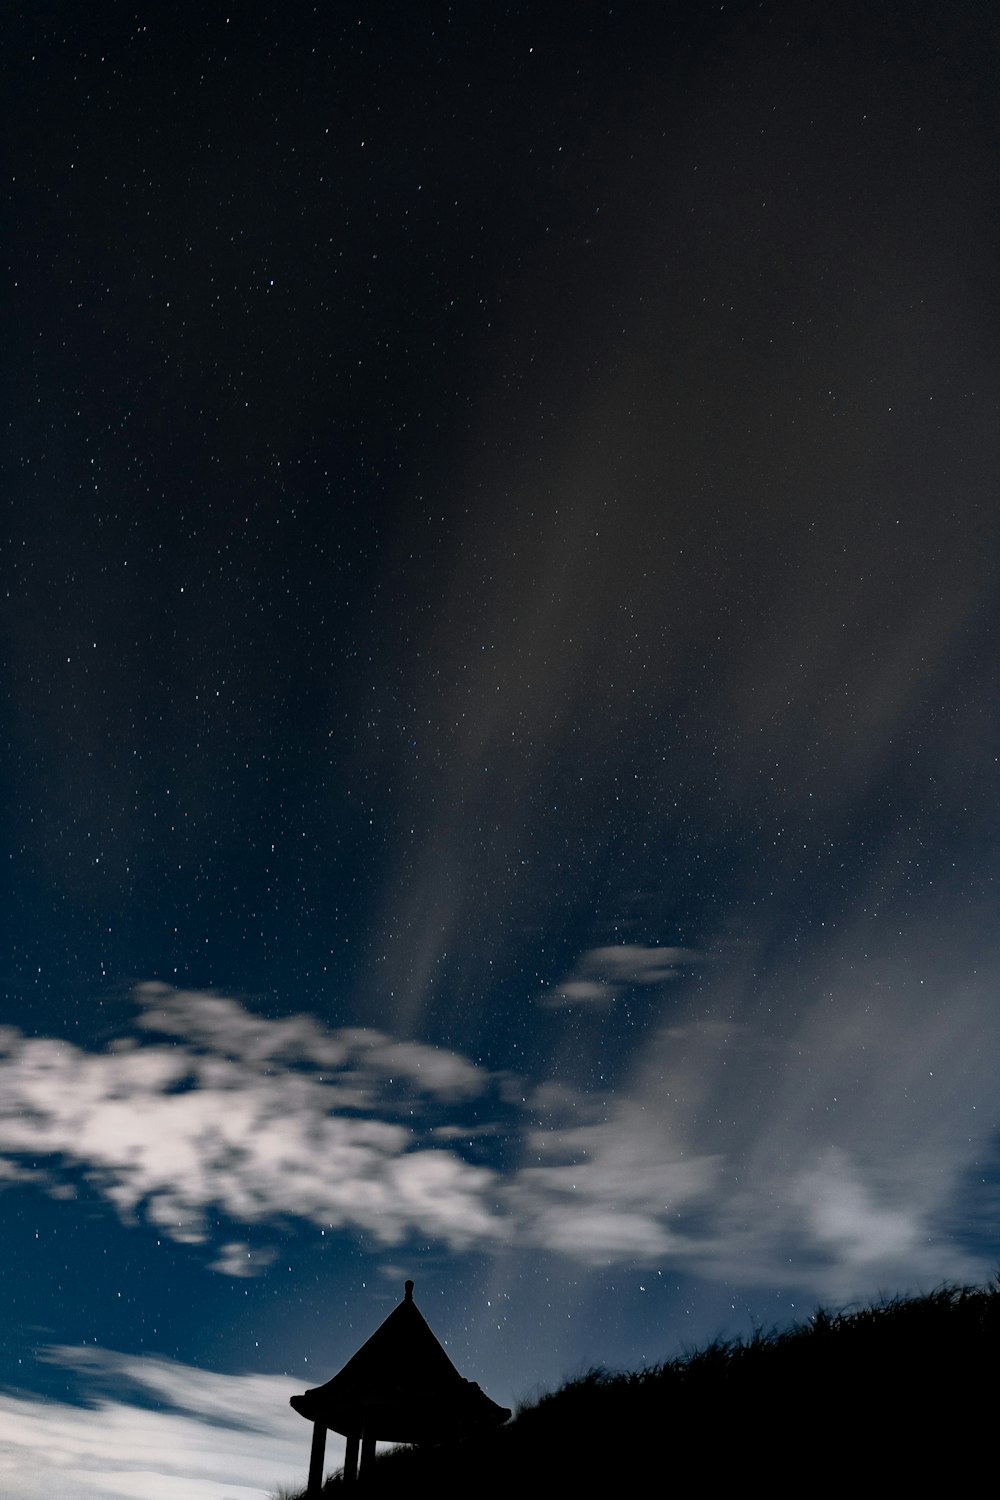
{"points": [[206, 1110]]}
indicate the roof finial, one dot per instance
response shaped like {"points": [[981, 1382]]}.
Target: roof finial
{"points": [[408, 1289]]}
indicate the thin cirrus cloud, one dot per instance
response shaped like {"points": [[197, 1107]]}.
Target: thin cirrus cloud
{"points": [[222, 1437]]}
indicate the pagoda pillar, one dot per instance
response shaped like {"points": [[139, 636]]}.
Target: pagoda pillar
{"points": [[316, 1456], [351, 1457]]}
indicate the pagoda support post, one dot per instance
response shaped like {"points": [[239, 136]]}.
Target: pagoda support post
{"points": [[316, 1457], [351, 1457], [367, 1451]]}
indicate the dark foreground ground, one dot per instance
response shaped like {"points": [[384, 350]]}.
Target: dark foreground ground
{"points": [[896, 1395]]}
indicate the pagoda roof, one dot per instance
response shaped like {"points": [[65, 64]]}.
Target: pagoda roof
{"points": [[402, 1384]]}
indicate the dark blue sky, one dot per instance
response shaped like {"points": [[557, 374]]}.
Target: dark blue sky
{"points": [[500, 717]]}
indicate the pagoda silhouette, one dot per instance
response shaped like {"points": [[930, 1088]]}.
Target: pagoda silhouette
{"points": [[400, 1387]]}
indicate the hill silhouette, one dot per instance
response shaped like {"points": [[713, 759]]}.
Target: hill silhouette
{"points": [[893, 1394]]}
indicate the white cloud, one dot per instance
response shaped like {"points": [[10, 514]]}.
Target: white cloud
{"points": [[829, 1154], [237, 1258], [227, 1028], [617, 1197], [576, 991], [220, 1437], [842, 1214], [634, 963], [600, 973], [821, 1156], [843, 1137], [12, 1171], [263, 1120]]}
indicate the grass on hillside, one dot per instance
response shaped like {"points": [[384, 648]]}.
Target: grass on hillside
{"points": [[901, 1392]]}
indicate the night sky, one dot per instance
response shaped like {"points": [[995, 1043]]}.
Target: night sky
{"points": [[500, 724]]}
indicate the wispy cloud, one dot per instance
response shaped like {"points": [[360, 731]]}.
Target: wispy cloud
{"points": [[602, 973], [611, 1190], [154, 1429], [223, 1025], [238, 1258], [819, 1156], [845, 1121]]}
